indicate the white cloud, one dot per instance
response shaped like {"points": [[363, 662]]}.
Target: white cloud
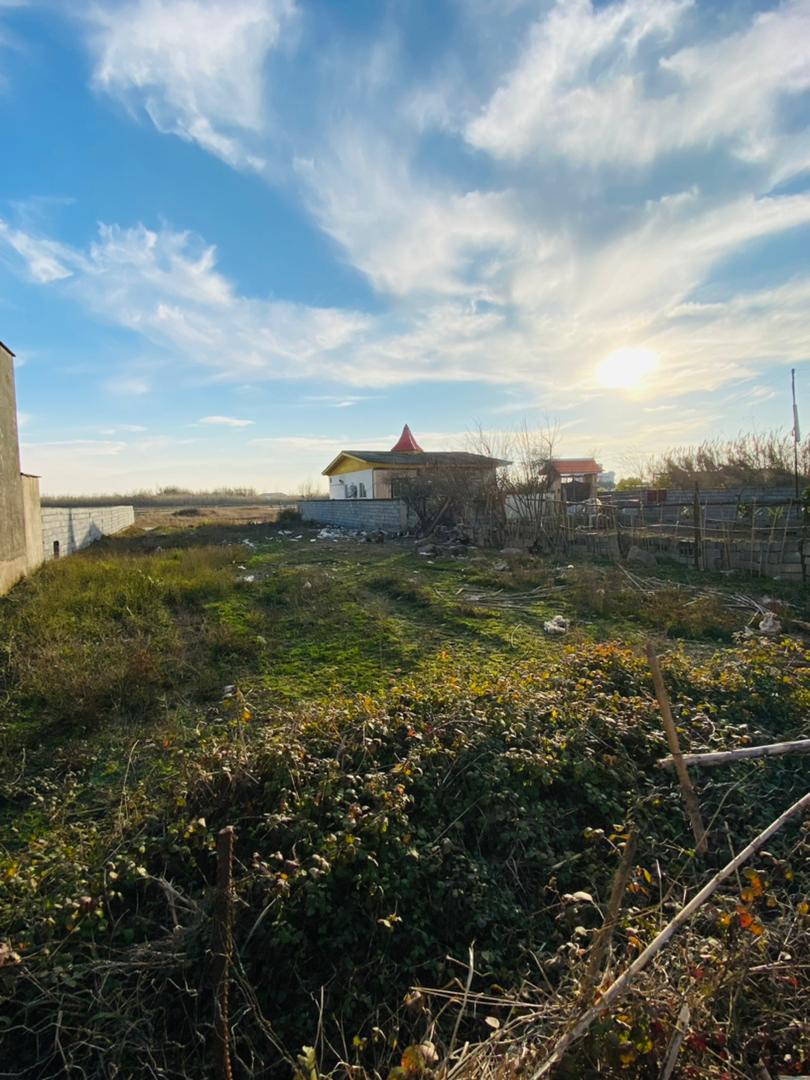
{"points": [[225, 421], [43, 258], [406, 235], [165, 286], [8, 40], [83, 447], [297, 442], [134, 385], [339, 401], [550, 319], [585, 88], [195, 66]]}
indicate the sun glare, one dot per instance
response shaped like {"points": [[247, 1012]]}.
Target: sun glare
{"points": [[626, 368]]}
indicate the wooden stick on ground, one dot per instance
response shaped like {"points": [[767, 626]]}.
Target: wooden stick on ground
{"points": [[617, 988], [722, 757], [604, 936], [681, 1028], [689, 795], [221, 950]]}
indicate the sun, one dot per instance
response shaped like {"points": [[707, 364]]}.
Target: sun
{"points": [[626, 368]]}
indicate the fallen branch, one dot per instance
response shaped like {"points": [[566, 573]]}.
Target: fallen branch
{"points": [[722, 757], [620, 985], [689, 795], [604, 936], [681, 1028]]}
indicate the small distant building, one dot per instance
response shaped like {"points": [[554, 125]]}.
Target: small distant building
{"points": [[574, 479], [372, 474]]}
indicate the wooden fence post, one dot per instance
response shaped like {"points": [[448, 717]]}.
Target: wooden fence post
{"points": [[689, 795], [221, 950], [696, 525]]}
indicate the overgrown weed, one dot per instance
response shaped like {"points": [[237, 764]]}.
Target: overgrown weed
{"points": [[376, 837]]}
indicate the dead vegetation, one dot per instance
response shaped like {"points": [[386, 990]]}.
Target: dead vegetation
{"points": [[425, 868]]}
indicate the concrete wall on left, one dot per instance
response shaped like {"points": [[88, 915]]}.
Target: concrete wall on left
{"points": [[66, 529], [32, 521], [13, 556]]}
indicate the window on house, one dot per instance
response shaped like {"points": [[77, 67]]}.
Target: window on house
{"points": [[361, 491], [56, 549]]}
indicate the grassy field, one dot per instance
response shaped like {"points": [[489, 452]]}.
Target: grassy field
{"points": [[413, 766], [179, 516]]}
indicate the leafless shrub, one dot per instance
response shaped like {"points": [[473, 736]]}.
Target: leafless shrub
{"points": [[749, 460]]}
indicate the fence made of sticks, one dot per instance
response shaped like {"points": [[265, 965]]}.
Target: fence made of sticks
{"points": [[763, 534]]}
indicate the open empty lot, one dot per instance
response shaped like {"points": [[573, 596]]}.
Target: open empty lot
{"points": [[414, 767]]}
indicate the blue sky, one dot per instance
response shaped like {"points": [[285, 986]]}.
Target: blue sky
{"points": [[237, 236]]}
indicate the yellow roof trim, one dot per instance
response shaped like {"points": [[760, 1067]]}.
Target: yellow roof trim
{"points": [[344, 463]]}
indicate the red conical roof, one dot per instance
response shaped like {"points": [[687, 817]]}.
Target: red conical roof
{"points": [[407, 444]]}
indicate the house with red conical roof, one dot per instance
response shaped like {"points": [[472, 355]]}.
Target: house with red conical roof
{"points": [[371, 474]]}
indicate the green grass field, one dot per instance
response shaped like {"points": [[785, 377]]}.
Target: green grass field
{"points": [[412, 765]]}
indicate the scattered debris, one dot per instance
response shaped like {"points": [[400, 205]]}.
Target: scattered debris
{"points": [[735, 601], [558, 625], [526, 603], [769, 624], [637, 556]]}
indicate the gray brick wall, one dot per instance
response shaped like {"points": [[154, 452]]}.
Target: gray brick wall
{"points": [[75, 527], [369, 515]]}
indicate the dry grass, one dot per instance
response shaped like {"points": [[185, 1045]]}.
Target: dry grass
{"points": [[187, 517]]}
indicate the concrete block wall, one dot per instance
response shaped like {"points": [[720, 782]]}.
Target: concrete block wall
{"points": [[32, 520], [75, 527], [368, 515]]}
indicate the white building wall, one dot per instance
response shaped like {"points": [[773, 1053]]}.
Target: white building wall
{"points": [[340, 486], [75, 527]]}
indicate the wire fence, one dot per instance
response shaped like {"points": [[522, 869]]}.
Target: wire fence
{"points": [[759, 534]]}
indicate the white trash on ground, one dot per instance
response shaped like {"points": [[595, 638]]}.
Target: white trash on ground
{"points": [[558, 625], [770, 624]]}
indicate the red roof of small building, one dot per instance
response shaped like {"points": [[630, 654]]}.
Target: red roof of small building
{"points": [[574, 466], [406, 444]]}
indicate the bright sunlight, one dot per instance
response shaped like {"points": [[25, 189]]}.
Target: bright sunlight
{"points": [[626, 368]]}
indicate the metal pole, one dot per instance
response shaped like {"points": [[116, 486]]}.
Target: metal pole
{"points": [[795, 434]]}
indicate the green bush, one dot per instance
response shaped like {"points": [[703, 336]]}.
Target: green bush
{"points": [[377, 837]]}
